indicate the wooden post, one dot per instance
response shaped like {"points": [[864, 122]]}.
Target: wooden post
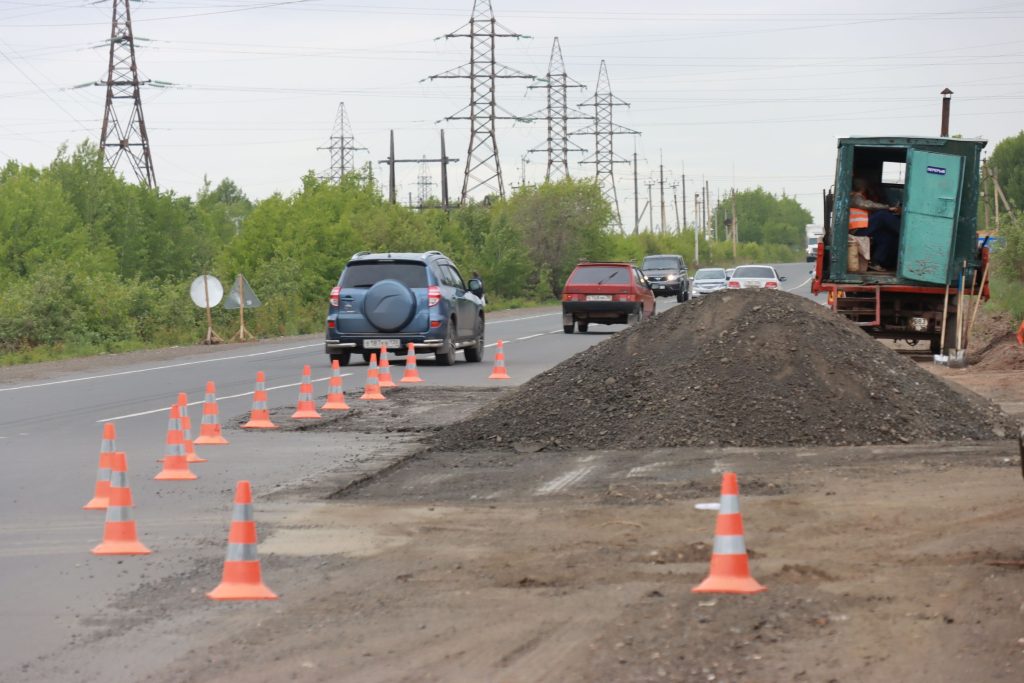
{"points": [[211, 336]]}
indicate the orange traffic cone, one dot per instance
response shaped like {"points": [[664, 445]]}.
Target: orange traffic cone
{"points": [[730, 571], [119, 534], [175, 462], [411, 373], [385, 370], [186, 430], [259, 418], [209, 429], [372, 390], [499, 371], [305, 409], [335, 391], [101, 493], [242, 579]]}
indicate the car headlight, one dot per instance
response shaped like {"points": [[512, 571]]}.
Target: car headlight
{"points": [[672, 277]]}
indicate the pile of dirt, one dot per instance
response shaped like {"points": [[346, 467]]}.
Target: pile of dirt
{"points": [[1002, 353], [750, 368]]}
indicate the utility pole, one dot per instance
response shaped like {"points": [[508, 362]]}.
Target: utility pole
{"points": [[661, 184], [636, 197], [128, 139], [735, 225], [557, 114], [604, 131], [707, 211], [650, 205], [684, 196], [391, 161], [696, 232], [483, 165], [675, 205], [342, 146]]}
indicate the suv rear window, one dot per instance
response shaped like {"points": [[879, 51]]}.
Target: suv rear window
{"points": [[359, 274], [663, 263], [600, 275]]}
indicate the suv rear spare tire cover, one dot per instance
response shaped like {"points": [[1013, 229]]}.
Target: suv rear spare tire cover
{"points": [[389, 305]]}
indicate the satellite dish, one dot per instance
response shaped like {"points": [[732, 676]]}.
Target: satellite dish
{"points": [[199, 290]]}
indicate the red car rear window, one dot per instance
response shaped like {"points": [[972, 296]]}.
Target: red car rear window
{"points": [[600, 275]]}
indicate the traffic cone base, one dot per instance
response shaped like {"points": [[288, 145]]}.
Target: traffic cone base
{"points": [[260, 423], [194, 457], [99, 501], [119, 538], [242, 580], [175, 468], [211, 438], [729, 574]]}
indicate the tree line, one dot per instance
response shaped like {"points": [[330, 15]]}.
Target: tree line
{"points": [[90, 263]]}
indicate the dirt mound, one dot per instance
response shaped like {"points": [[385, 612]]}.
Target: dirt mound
{"points": [[1002, 353], [751, 368]]}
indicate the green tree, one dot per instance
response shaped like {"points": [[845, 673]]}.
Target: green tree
{"points": [[1007, 161]]}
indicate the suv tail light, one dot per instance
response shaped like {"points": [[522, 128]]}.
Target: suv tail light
{"points": [[733, 284], [433, 295], [335, 296], [771, 285]]}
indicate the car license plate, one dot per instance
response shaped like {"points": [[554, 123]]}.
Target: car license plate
{"points": [[659, 286], [599, 297], [378, 343]]}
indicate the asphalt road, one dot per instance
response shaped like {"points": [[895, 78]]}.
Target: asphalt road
{"points": [[50, 431]]}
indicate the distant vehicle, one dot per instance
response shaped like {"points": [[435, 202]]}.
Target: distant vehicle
{"points": [[707, 280], [814, 235], [938, 261], [394, 299], [755, 277], [607, 294], [668, 275], [728, 273]]}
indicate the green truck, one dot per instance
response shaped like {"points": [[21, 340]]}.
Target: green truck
{"points": [[931, 185]]}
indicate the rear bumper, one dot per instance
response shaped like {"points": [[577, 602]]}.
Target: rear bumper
{"points": [[355, 344], [598, 311]]}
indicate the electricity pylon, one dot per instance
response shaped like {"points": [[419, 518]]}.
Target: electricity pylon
{"points": [[557, 114], [483, 166], [341, 147], [604, 131], [128, 140]]}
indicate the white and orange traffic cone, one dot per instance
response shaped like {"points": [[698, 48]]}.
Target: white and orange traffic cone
{"points": [[242, 578], [186, 430], [209, 429], [499, 371], [259, 417], [335, 390], [411, 374], [305, 409], [101, 493], [175, 461], [120, 536], [730, 569], [372, 389], [384, 374]]}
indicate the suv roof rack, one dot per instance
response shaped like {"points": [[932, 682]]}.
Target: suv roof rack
{"points": [[434, 251], [360, 253]]}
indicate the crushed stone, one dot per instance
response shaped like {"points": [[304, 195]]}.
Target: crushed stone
{"points": [[749, 368]]}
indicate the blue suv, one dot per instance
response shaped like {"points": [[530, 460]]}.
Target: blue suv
{"points": [[394, 299]]}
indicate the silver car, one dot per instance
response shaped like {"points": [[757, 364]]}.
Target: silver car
{"points": [[707, 280]]}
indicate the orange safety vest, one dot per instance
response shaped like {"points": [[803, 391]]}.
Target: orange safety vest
{"points": [[858, 217]]}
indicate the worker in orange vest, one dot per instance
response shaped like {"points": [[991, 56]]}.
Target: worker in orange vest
{"points": [[878, 221]]}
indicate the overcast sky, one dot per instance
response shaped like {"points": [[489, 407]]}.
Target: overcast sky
{"points": [[740, 94]]}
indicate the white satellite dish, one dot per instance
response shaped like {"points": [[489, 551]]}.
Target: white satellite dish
{"points": [[206, 294]]}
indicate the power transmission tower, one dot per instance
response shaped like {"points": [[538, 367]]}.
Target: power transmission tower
{"points": [[130, 139], [604, 131], [483, 166], [424, 183], [557, 114], [391, 162], [342, 147]]}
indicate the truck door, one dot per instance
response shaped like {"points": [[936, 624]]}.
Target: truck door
{"points": [[929, 216]]}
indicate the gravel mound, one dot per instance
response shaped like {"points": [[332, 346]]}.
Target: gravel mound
{"points": [[750, 368]]}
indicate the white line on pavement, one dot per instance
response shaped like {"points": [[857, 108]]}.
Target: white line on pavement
{"points": [[161, 367], [800, 285], [219, 399]]}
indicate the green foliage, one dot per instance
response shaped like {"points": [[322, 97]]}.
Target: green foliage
{"points": [[763, 218], [1007, 161]]}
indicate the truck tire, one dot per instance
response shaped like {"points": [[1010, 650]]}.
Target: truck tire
{"points": [[568, 329]]}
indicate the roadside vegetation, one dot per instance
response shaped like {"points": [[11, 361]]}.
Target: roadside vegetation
{"points": [[1007, 164], [91, 264]]}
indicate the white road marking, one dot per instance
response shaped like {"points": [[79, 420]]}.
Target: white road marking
{"points": [[566, 480], [219, 399], [801, 284], [515, 320], [644, 470], [532, 336], [161, 367]]}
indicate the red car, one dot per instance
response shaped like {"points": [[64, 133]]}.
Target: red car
{"points": [[605, 293]]}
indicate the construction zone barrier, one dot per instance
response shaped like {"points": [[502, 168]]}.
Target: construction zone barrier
{"points": [[120, 536], [242, 578], [305, 409], [499, 371], [259, 417], [186, 430], [730, 570], [385, 370], [335, 390], [175, 462], [101, 493], [372, 389], [209, 429], [411, 374]]}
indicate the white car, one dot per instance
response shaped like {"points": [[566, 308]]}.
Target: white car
{"points": [[707, 280], [755, 277]]}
